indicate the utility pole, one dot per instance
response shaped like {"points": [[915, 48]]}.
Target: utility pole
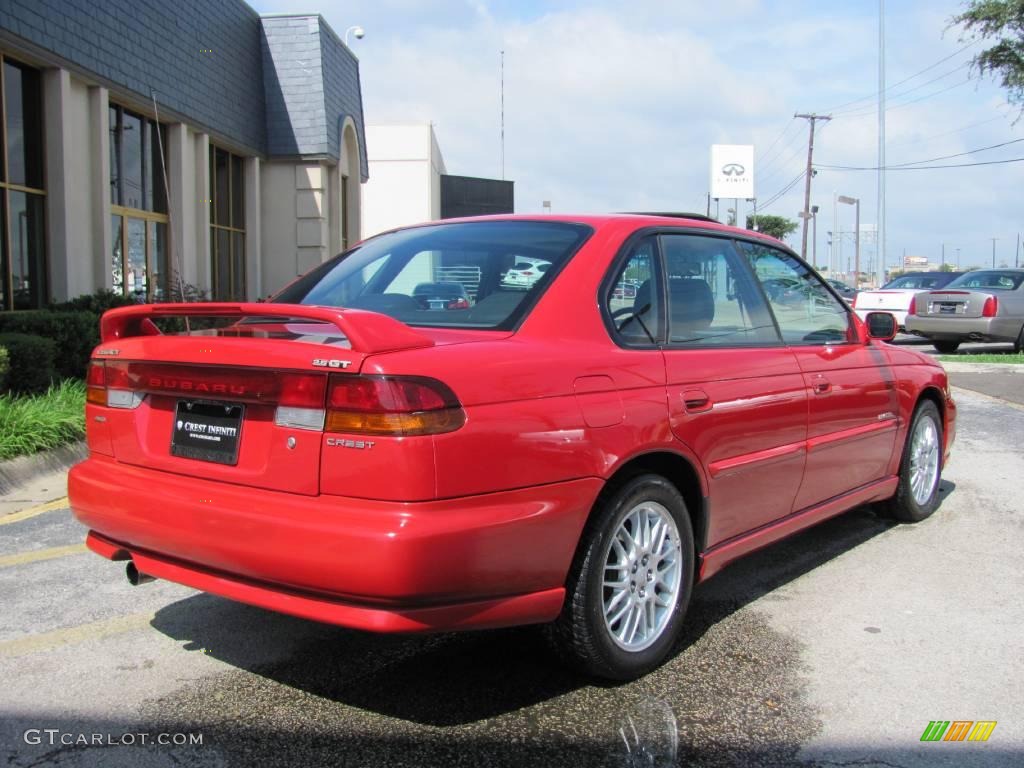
{"points": [[880, 245], [994, 252], [811, 119], [1016, 254]]}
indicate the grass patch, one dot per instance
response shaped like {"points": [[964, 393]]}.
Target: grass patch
{"points": [[33, 423], [984, 357]]}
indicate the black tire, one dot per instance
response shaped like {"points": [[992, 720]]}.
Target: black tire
{"points": [[581, 633], [946, 347], [903, 506], [1018, 345]]}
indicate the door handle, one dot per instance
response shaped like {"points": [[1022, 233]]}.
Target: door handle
{"points": [[696, 401], [821, 385]]}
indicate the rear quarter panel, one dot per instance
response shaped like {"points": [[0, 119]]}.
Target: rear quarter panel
{"points": [[917, 373]]}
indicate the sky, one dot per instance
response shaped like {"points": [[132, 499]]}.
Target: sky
{"points": [[613, 106]]}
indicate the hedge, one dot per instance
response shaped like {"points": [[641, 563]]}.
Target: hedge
{"points": [[31, 362], [75, 334]]}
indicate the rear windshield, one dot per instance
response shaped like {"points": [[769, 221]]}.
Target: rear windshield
{"points": [[406, 274], [989, 278], [922, 281]]}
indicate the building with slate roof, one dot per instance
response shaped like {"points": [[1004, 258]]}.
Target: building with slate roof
{"points": [[148, 144]]}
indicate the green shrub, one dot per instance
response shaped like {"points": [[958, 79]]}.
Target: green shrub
{"points": [[97, 303], [75, 334], [30, 361], [4, 366], [40, 422]]}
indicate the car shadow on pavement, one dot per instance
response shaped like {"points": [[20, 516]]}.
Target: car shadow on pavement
{"points": [[458, 679]]}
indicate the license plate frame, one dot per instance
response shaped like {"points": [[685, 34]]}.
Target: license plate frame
{"points": [[207, 430]]}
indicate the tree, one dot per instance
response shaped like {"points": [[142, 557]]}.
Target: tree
{"points": [[778, 227], [947, 268], [1000, 22]]}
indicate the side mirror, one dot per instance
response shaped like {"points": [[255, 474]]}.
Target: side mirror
{"points": [[881, 326]]}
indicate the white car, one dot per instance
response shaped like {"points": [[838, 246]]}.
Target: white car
{"points": [[895, 296], [525, 272]]}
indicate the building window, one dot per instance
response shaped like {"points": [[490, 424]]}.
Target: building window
{"points": [[138, 197], [227, 225], [22, 197]]}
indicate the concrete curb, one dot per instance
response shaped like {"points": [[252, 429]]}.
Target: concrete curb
{"points": [[952, 367], [24, 469]]}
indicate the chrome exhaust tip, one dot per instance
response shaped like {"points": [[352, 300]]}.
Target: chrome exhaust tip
{"points": [[135, 576]]}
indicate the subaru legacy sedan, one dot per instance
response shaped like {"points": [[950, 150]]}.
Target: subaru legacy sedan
{"points": [[576, 454]]}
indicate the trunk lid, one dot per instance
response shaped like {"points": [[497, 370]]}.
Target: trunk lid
{"points": [[898, 300], [952, 303], [243, 403]]}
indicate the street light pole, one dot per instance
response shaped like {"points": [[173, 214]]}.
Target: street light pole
{"points": [[855, 201]]}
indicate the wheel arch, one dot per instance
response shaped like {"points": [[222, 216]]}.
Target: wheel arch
{"points": [[678, 470]]}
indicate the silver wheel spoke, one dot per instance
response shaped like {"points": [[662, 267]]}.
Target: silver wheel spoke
{"points": [[642, 578], [924, 460]]}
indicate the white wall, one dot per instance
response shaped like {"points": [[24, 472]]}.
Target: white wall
{"points": [[405, 166]]}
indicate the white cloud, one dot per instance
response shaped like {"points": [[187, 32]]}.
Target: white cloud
{"points": [[612, 106]]}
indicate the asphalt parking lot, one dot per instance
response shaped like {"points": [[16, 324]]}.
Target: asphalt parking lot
{"points": [[834, 648]]}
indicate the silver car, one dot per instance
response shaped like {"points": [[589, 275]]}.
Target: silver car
{"points": [[985, 305]]}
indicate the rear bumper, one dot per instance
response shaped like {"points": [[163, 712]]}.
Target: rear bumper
{"points": [[491, 560], [964, 328]]}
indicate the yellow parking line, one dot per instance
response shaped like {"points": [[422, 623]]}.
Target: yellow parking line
{"points": [[41, 554], [25, 514], [93, 631]]}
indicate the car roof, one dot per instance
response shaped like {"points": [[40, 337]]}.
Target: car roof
{"points": [[673, 220]]}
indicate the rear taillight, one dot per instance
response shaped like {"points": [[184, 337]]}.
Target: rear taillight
{"points": [[912, 309], [991, 307], [392, 405], [458, 304], [370, 405], [96, 384]]}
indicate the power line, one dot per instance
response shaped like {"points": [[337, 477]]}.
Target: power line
{"points": [[905, 80], [920, 162], [764, 159], [781, 134], [906, 92], [873, 111], [922, 139], [924, 167], [782, 192]]}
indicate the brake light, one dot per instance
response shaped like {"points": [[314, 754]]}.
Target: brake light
{"points": [[458, 304], [990, 307], [912, 309], [392, 405], [96, 383]]}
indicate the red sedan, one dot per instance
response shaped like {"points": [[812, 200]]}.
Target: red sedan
{"points": [[577, 453]]}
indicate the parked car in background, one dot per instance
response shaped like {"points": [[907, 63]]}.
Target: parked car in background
{"points": [[561, 455], [525, 272], [985, 305], [842, 289], [441, 295], [895, 296]]}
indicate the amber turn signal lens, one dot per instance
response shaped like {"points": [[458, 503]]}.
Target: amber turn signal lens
{"points": [[396, 424]]}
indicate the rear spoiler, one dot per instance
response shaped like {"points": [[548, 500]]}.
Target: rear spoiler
{"points": [[367, 332]]}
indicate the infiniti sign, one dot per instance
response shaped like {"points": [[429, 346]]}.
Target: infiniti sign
{"points": [[732, 170]]}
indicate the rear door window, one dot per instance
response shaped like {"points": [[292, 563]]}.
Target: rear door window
{"points": [[712, 299]]}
